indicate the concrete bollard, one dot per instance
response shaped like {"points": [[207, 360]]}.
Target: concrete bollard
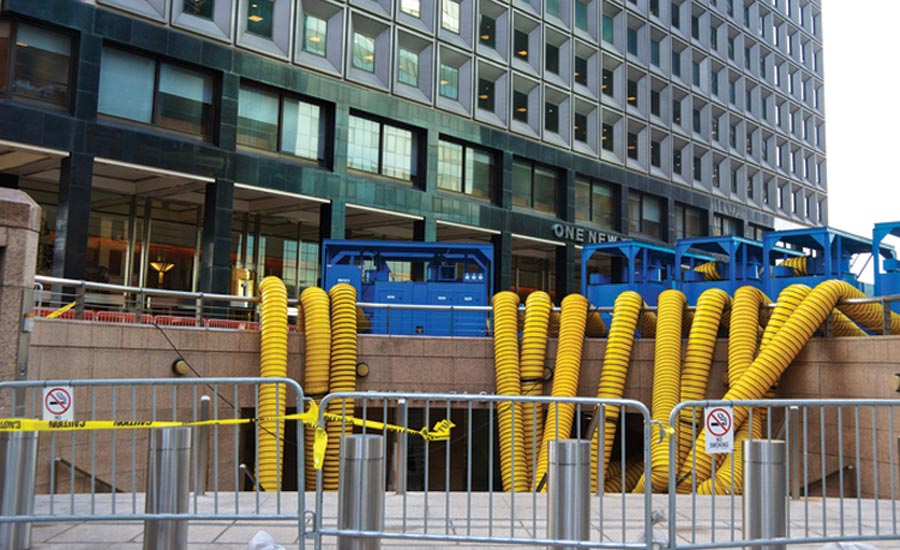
{"points": [[168, 478], [765, 493], [18, 468], [361, 491], [568, 490]]}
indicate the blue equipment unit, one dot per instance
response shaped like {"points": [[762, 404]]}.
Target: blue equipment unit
{"points": [[739, 262], [455, 274], [886, 265], [632, 265], [828, 257]]}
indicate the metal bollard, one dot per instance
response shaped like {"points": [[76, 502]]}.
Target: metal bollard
{"points": [[18, 469], [568, 490], [764, 492], [168, 478], [361, 491]]}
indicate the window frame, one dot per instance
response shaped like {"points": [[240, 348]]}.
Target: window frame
{"points": [[464, 183], [532, 167], [326, 122], [158, 61], [14, 25], [416, 168], [614, 194]]}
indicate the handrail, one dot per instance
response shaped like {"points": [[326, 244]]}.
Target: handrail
{"points": [[82, 472]]}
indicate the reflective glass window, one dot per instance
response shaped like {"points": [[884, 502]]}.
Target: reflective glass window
{"points": [[411, 7], [302, 129], [450, 15], [449, 81], [362, 145], [41, 68], [200, 8], [184, 100], [363, 52], [551, 117], [408, 67], [259, 17], [257, 119], [126, 85], [580, 127], [314, 34]]}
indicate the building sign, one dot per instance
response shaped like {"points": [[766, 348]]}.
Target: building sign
{"points": [[579, 235]]}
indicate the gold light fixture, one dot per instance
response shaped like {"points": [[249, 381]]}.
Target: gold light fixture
{"points": [[161, 268], [255, 18], [522, 53], [485, 37], [483, 96], [522, 110], [315, 39], [444, 82]]}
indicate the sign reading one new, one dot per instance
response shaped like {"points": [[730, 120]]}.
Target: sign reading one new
{"points": [[577, 234]]}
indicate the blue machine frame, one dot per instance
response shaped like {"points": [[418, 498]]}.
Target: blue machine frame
{"points": [[648, 270], [455, 274], [744, 264], [833, 249], [887, 271]]}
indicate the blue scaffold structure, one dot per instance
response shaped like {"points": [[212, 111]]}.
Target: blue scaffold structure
{"points": [[886, 265], [392, 274], [736, 262]]}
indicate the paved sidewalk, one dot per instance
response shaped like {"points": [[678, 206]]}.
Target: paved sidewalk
{"points": [[615, 518]]}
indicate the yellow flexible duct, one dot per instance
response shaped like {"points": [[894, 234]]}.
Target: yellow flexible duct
{"points": [[531, 361], [734, 462], [743, 337], [647, 324], [778, 354], [798, 264], [317, 338], [788, 300], [595, 328], [342, 375], [841, 325], [273, 363], [697, 362], [513, 465], [709, 270], [626, 310], [666, 379], [558, 424], [634, 474]]}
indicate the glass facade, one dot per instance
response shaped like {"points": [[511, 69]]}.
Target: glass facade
{"points": [[200, 8], [41, 64], [534, 186], [408, 67], [450, 15], [363, 52], [381, 149], [314, 35], [645, 215], [260, 17], [596, 202], [411, 7], [465, 169], [449, 83]]}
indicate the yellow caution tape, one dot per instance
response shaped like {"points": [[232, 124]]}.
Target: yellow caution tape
{"points": [[60, 311], [440, 432]]}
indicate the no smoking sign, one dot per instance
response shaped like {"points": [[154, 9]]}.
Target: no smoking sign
{"points": [[58, 403], [719, 424]]}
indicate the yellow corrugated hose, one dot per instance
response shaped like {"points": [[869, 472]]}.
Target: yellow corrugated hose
{"points": [[774, 357], [558, 424], [626, 310], [342, 375], [531, 366], [798, 264], [273, 363], [709, 270], [634, 471], [734, 462], [666, 381], [698, 360], [317, 339], [513, 466]]}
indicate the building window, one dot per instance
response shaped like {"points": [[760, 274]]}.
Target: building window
{"points": [[279, 123], [654, 52], [581, 69], [581, 15], [632, 41], [676, 16], [676, 161], [714, 129], [552, 58], [486, 31], [607, 85], [200, 8], [723, 225], [698, 169], [695, 27], [363, 52], [608, 29], [534, 186], [551, 117], [411, 7], [654, 103], [141, 89], [654, 7], [655, 157], [408, 67], [465, 169], [520, 106], [485, 94], [676, 63], [259, 17], [688, 222], [450, 16], [449, 83], [632, 93], [380, 148], [595, 202], [714, 83], [314, 34], [645, 215], [632, 145], [608, 137], [580, 127], [520, 44], [676, 111], [552, 7], [715, 176], [695, 73], [40, 64]]}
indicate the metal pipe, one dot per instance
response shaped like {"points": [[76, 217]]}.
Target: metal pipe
{"points": [[203, 447], [168, 478], [361, 491], [568, 491], [401, 448], [18, 469], [764, 492]]}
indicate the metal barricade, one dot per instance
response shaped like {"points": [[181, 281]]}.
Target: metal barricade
{"points": [[453, 475], [95, 467], [840, 464]]}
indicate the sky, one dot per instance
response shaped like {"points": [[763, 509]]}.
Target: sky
{"points": [[862, 120]]}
